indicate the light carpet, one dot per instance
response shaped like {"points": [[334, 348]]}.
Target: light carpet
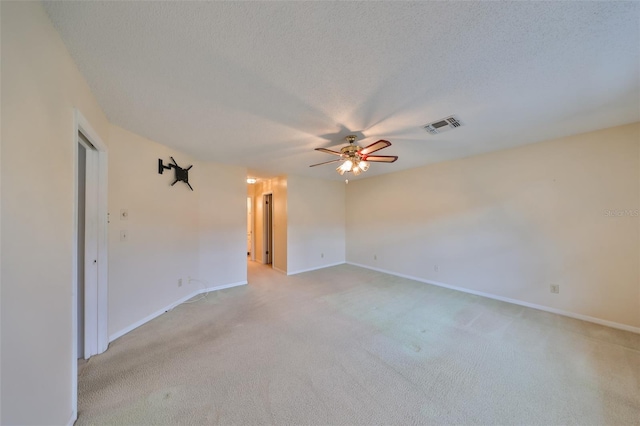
{"points": [[346, 346]]}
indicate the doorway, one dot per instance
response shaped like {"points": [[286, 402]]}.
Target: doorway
{"points": [[80, 278], [268, 229], [87, 249], [89, 278], [250, 229]]}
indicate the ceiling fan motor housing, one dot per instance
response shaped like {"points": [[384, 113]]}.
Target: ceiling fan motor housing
{"points": [[350, 150]]}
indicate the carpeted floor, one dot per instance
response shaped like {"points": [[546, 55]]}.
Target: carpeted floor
{"points": [[345, 345]]}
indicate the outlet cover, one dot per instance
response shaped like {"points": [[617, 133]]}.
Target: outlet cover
{"points": [[555, 288]]}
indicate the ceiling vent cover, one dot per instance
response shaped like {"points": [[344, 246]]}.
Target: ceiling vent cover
{"points": [[443, 125]]}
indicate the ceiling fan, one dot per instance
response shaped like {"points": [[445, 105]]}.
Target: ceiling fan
{"points": [[356, 159]]}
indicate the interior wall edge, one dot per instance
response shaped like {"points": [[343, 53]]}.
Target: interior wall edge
{"points": [[169, 307], [41, 86], [279, 270], [562, 312], [316, 268], [515, 223]]}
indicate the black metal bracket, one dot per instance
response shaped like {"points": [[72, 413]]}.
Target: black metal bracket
{"points": [[181, 174]]}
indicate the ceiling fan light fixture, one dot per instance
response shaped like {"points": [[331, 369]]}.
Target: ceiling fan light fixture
{"points": [[346, 166], [356, 159]]}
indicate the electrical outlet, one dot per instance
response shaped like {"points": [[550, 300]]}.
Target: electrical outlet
{"points": [[555, 288], [322, 255], [375, 257], [436, 268], [124, 236], [179, 282]]}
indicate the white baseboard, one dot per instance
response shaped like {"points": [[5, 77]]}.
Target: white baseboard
{"points": [[508, 300], [156, 314], [316, 268], [278, 269], [220, 287], [74, 417]]}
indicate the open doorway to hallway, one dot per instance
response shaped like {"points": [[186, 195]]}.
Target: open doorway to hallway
{"points": [[267, 222]]}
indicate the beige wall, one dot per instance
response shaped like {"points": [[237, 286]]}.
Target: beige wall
{"points": [[507, 223], [173, 233], [251, 219], [316, 223], [162, 227], [40, 87], [222, 224], [511, 223], [280, 220], [308, 222], [261, 188]]}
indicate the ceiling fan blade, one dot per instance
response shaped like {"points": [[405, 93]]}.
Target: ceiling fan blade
{"points": [[381, 158], [326, 162], [375, 147], [329, 151]]}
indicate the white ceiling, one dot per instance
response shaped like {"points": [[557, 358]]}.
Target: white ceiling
{"points": [[262, 84]]}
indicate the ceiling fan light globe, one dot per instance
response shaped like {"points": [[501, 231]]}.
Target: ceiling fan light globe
{"points": [[347, 166], [340, 170], [364, 166]]}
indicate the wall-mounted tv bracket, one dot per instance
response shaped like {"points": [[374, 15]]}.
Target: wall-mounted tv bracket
{"points": [[181, 174]]}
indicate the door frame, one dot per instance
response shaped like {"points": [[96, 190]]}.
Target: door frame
{"points": [[252, 256], [265, 228], [96, 299]]}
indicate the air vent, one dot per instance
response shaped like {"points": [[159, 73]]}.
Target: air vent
{"points": [[442, 125]]}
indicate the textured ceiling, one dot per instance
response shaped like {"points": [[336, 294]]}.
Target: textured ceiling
{"points": [[262, 84]]}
